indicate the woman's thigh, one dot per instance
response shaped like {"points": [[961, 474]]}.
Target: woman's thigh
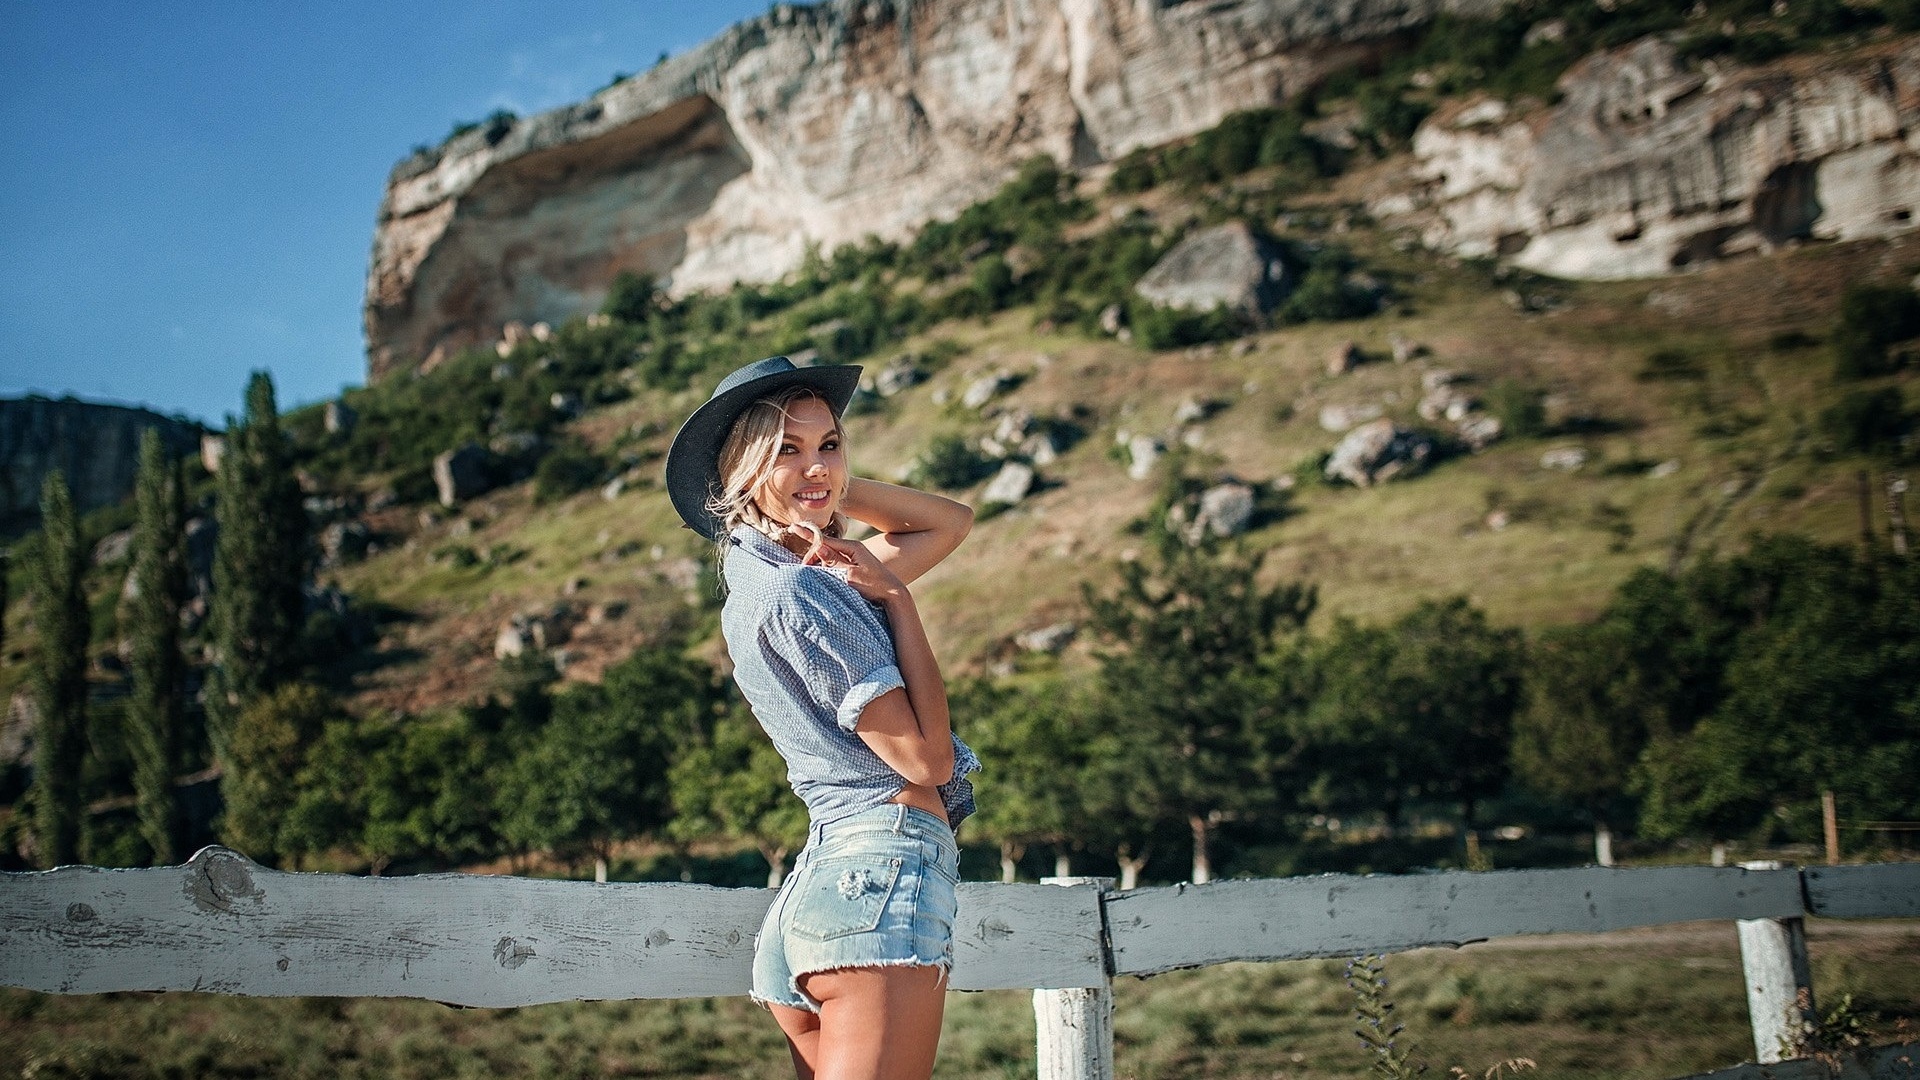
{"points": [[878, 1023]]}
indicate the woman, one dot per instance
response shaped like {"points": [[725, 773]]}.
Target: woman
{"points": [[828, 648]]}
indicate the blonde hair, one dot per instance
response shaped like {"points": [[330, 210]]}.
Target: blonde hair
{"points": [[747, 460]]}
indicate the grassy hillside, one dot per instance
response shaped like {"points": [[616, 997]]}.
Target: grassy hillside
{"points": [[1697, 399]]}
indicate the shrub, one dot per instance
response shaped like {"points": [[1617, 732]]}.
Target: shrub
{"points": [[948, 463], [1666, 365], [1873, 317], [567, 469], [630, 299], [1324, 294], [1867, 421], [1519, 408]]}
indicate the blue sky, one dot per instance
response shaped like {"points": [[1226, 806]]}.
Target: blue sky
{"points": [[188, 190]]}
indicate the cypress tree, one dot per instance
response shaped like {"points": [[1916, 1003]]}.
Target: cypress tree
{"points": [[6, 566], [155, 713], [259, 565], [60, 675]]}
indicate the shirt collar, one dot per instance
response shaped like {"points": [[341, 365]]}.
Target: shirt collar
{"points": [[757, 544]]}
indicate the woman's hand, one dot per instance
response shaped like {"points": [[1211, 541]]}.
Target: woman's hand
{"points": [[861, 568]]}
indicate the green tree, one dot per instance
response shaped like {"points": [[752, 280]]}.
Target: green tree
{"points": [[59, 678], [156, 712], [391, 788], [734, 784], [1422, 708], [1821, 693], [1035, 738], [1179, 684], [270, 745], [1582, 726], [6, 570], [260, 564], [597, 772], [1358, 749], [1463, 678]]}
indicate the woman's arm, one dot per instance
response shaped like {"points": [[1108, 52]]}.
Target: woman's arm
{"points": [[909, 728], [916, 528]]}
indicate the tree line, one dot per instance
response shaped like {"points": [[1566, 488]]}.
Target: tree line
{"points": [[1715, 702]]}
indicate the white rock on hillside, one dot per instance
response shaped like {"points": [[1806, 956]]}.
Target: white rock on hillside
{"points": [[1647, 166]]}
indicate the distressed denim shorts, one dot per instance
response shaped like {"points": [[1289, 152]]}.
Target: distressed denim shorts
{"points": [[875, 889]]}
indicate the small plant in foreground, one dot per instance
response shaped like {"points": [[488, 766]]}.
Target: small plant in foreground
{"points": [[1379, 1035]]}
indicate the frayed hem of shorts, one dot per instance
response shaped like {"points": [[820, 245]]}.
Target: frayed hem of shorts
{"points": [[812, 1006]]}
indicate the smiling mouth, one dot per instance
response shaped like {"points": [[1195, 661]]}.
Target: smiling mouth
{"points": [[813, 497]]}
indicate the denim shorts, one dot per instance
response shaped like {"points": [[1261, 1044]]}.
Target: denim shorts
{"points": [[875, 889]]}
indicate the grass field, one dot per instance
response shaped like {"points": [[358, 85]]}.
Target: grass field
{"points": [[1649, 1004]]}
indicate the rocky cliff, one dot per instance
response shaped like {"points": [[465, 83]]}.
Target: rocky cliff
{"points": [[97, 447], [817, 124], [1648, 165]]}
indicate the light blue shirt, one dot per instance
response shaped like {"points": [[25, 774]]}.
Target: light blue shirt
{"points": [[810, 653]]}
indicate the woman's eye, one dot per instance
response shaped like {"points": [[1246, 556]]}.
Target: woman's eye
{"points": [[789, 448], [830, 444]]}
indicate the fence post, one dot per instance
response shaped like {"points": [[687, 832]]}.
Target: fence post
{"points": [[1074, 1027], [1773, 957]]}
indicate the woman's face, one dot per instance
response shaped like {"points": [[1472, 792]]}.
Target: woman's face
{"points": [[811, 470]]}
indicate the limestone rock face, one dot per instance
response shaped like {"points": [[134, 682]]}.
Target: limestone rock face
{"points": [[97, 448], [820, 124], [1647, 166]]}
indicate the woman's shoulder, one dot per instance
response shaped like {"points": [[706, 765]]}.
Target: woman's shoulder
{"points": [[800, 592]]}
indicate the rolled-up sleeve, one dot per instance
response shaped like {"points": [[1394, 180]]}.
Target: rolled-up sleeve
{"points": [[846, 667]]}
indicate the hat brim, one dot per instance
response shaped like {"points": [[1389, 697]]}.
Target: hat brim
{"points": [[693, 461]]}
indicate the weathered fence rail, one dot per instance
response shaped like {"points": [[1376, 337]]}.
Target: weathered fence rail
{"points": [[224, 924]]}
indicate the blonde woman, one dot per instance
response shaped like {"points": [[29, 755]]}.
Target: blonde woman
{"points": [[828, 648]]}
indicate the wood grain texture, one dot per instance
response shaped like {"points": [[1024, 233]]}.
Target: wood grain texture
{"points": [[1182, 926], [1874, 891], [224, 924]]}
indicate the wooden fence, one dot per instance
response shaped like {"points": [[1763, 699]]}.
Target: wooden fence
{"points": [[221, 923]]}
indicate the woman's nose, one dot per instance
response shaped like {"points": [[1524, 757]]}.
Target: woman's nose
{"points": [[816, 468]]}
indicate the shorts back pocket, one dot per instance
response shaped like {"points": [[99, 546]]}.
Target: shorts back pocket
{"points": [[842, 896]]}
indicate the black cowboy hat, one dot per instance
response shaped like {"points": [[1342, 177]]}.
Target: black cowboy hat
{"points": [[693, 461]]}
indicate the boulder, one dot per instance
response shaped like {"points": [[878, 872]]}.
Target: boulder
{"points": [[901, 373], [1404, 348], [1377, 452], [213, 449], [1339, 418], [1344, 358], [988, 387], [1480, 431], [1048, 639], [1110, 320], [1225, 510], [340, 418], [113, 547], [1143, 453], [1228, 265], [1010, 485], [1564, 458], [344, 541], [1041, 448], [510, 642], [462, 473]]}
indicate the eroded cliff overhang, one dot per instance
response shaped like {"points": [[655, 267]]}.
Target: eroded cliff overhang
{"points": [[1648, 165], [817, 125]]}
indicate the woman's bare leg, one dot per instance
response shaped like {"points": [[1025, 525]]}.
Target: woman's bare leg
{"points": [[802, 1030], [880, 1023]]}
